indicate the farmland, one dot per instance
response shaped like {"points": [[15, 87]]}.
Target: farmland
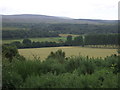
{"points": [[41, 51], [70, 51]]}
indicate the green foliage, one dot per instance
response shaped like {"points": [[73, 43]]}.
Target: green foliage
{"points": [[43, 81], [101, 39], [69, 40], [25, 68], [19, 57], [9, 52], [75, 72], [71, 80], [16, 43], [78, 41], [81, 64], [52, 30], [26, 41], [118, 51], [12, 80], [53, 66], [110, 81], [17, 34], [107, 78], [59, 55], [66, 80]]}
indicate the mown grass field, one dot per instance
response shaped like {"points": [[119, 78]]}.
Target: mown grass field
{"points": [[70, 51]]}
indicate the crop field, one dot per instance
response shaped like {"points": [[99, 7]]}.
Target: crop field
{"points": [[53, 39], [69, 51]]}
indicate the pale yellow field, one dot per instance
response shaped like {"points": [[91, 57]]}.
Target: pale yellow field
{"points": [[70, 51], [65, 35]]}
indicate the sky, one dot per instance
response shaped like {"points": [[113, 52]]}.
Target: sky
{"points": [[78, 9]]}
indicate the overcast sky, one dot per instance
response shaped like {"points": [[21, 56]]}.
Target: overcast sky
{"points": [[82, 9]]}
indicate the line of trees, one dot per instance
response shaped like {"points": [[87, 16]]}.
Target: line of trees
{"points": [[101, 39], [93, 39], [27, 43], [77, 41]]}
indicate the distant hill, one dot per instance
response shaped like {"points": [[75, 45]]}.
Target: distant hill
{"points": [[29, 26], [33, 18]]}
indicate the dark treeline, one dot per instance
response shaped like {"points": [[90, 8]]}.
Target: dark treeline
{"points": [[83, 28], [94, 39], [101, 39], [27, 43], [11, 34], [52, 30]]}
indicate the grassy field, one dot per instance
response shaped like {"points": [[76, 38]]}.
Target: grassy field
{"points": [[53, 39], [70, 51]]}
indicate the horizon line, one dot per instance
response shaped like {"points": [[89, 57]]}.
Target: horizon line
{"points": [[59, 16]]}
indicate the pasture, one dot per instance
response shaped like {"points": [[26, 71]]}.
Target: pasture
{"points": [[69, 51]]}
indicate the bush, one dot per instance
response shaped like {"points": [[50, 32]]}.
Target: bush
{"points": [[111, 81], [9, 52], [106, 78], [49, 80], [69, 80], [83, 65], [58, 55], [45, 81], [75, 72], [52, 65], [73, 63], [25, 68], [11, 80], [19, 57]]}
